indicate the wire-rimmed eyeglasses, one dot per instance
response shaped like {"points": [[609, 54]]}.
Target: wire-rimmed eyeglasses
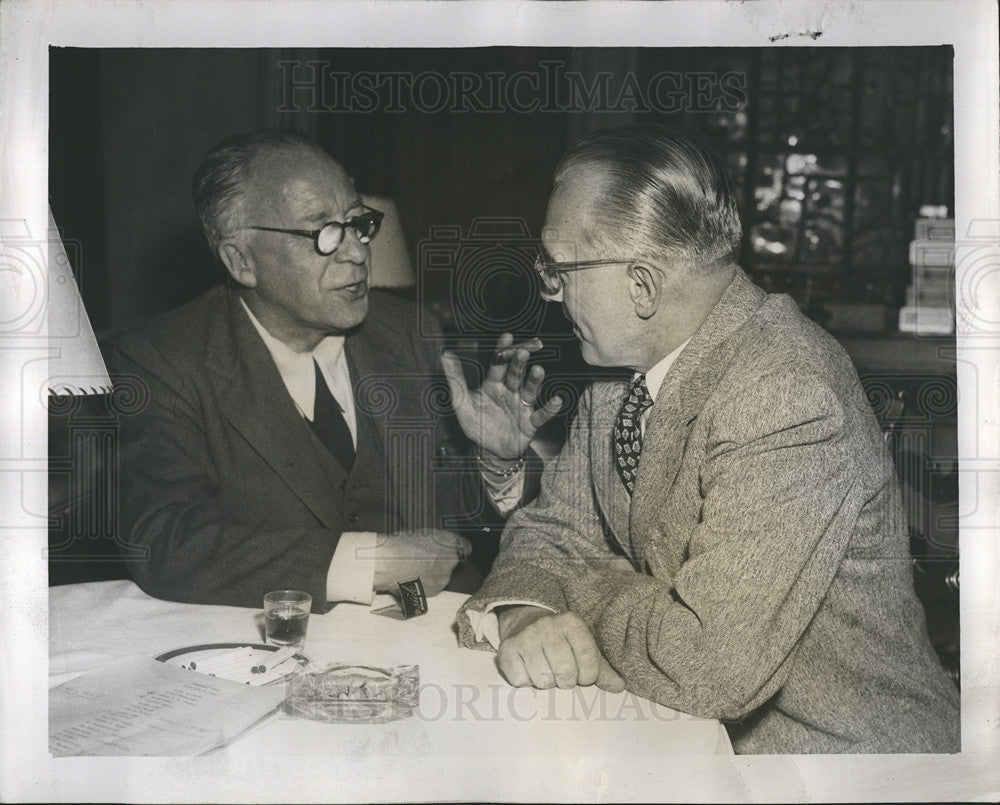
{"points": [[328, 237], [550, 272]]}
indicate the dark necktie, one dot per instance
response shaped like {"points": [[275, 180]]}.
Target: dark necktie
{"points": [[329, 424], [628, 431]]}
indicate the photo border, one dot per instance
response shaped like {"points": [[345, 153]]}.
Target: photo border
{"points": [[28, 29]]}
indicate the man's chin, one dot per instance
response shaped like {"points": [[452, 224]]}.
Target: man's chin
{"points": [[353, 310]]}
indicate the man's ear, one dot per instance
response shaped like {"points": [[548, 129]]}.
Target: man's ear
{"points": [[646, 284], [238, 263]]}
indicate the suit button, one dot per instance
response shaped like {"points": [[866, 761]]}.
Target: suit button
{"points": [[343, 485], [353, 517]]}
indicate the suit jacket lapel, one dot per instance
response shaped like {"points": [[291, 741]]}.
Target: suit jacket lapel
{"points": [[381, 383], [256, 402], [684, 392]]}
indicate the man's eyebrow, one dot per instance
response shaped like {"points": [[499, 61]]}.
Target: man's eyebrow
{"points": [[318, 217], [323, 217]]}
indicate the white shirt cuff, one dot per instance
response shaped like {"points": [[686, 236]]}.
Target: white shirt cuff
{"points": [[504, 493], [352, 569], [485, 625]]}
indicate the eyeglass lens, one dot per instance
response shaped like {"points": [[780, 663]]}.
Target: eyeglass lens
{"points": [[331, 235], [550, 277]]}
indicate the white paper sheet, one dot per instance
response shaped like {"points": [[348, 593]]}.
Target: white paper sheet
{"points": [[144, 707]]}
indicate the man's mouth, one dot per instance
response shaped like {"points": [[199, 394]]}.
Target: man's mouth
{"points": [[354, 290]]}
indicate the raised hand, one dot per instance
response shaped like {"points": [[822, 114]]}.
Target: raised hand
{"points": [[501, 416]]}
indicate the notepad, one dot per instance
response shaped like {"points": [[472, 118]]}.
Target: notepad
{"points": [[142, 707]]}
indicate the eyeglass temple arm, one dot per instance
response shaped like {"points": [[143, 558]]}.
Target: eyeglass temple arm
{"points": [[303, 232]]}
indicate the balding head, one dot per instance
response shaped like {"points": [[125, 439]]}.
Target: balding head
{"points": [[639, 242], [662, 194]]}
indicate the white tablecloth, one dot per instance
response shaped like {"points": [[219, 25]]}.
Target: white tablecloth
{"points": [[467, 710]]}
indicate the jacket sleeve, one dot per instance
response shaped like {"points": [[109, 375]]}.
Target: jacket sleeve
{"points": [[556, 550], [779, 505], [172, 509]]}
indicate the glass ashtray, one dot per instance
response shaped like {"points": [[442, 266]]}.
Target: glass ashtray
{"points": [[354, 694]]}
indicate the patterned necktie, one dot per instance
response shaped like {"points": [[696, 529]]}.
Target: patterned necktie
{"points": [[628, 431], [329, 424]]}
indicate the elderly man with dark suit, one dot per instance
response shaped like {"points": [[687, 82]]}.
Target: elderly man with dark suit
{"points": [[723, 533], [294, 435]]}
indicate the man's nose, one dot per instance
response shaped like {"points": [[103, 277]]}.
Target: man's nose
{"points": [[351, 249]]}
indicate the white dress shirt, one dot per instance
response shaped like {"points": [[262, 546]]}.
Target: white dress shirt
{"points": [[485, 625]]}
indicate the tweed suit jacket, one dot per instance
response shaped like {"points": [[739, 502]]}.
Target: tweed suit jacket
{"points": [[760, 572], [226, 489]]}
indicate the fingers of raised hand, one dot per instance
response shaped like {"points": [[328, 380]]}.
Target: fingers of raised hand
{"points": [[505, 353], [501, 357], [455, 376], [529, 391], [514, 377], [542, 415]]}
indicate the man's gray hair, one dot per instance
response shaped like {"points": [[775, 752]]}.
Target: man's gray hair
{"points": [[665, 194], [225, 174]]}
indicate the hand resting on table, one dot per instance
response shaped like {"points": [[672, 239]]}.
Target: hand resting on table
{"points": [[551, 650]]}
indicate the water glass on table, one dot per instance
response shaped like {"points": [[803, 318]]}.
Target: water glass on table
{"points": [[286, 616]]}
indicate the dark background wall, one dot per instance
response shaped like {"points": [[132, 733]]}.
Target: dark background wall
{"points": [[834, 150]]}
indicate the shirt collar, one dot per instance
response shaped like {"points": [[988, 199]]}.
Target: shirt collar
{"points": [[655, 376], [329, 348], [296, 368]]}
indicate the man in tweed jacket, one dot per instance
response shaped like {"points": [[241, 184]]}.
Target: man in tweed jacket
{"points": [[724, 533]]}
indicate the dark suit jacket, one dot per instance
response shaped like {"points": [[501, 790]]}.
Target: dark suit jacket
{"points": [[760, 573], [226, 486]]}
